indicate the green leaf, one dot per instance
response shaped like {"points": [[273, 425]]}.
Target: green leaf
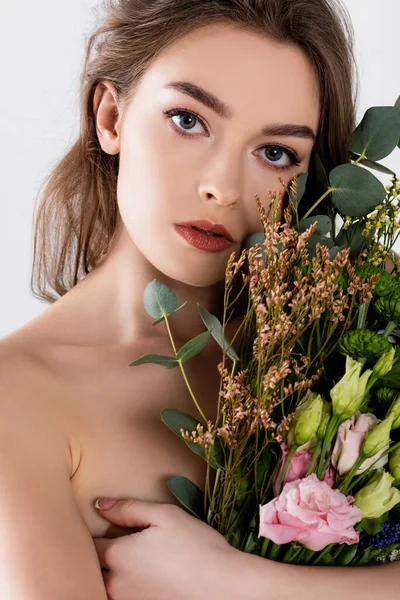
{"points": [[397, 103], [356, 192], [378, 133], [333, 252], [189, 495], [176, 420], [318, 239], [392, 379], [352, 238], [371, 164], [347, 554], [301, 188], [169, 362], [175, 311], [194, 346], [214, 325], [324, 224], [159, 300]]}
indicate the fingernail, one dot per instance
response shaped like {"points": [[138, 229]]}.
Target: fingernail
{"points": [[105, 503]]}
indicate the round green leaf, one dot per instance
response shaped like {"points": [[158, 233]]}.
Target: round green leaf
{"points": [[356, 192], [378, 133], [352, 238], [159, 300], [324, 224]]}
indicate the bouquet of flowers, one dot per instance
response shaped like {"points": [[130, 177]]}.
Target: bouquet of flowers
{"points": [[303, 458]]}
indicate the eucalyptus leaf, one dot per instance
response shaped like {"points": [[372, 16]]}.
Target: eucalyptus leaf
{"points": [[372, 165], [356, 192], [333, 252], [159, 300], [318, 239], [189, 495], [301, 188], [397, 105], [163, 318], [168, 362], [176, 420], [324, 224], [352, 238], [378, 133], [214, 325], [194, 346]]}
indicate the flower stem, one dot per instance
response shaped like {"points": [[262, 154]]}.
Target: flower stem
{"points": [[314, 459], [314, 206], [286, 466], [389, 328], [183, 373], [345, 483]]}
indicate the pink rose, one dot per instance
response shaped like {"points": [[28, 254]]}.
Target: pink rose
{"points": [[312, 513], [349, 440], [298, 467]]}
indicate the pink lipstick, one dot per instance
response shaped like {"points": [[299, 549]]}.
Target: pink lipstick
{"points": [[204, 235]]}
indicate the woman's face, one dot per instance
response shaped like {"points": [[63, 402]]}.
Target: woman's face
{"points": [[211, 157]]}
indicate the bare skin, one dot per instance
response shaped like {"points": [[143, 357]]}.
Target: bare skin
{"points": [[102, 417]]}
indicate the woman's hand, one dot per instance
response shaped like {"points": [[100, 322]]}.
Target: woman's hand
{"points": [[174, 557]]}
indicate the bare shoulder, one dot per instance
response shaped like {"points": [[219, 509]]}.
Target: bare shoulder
{"points": [[24, 402]]}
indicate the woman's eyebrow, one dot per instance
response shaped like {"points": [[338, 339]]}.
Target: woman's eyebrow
{"points": [[212, 102]]}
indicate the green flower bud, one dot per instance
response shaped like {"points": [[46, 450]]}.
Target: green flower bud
{"points": [[388, 307], [384, 364], [348, 394], [325, 418], [394, 411], [363, 343], [386, 395], [394, 464], [377, 496], [307, 419], [377, 438], [385, 285]]}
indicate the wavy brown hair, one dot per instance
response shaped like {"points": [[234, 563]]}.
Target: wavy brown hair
{"points": [[77, 214]]}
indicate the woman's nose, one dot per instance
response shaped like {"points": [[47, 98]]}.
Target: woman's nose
{"points": [[222, 182]]}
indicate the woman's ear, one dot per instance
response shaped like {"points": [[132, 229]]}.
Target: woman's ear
{"points": [[106, 112]]}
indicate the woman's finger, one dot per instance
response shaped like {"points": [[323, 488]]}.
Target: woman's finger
{"points": [[134, 513], [103, 546]]}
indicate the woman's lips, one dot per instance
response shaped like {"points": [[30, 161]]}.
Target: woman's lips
{"points": [[202, 241], [208, 226]]}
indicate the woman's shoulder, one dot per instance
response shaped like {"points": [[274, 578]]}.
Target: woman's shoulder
{"points": [[25, 403]]}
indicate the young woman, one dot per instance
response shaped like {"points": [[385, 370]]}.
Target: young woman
{"points": [[189, 109]]}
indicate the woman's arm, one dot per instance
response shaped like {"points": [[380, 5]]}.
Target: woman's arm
{"points": [[188, 560], [46, 551], [254, 577]]}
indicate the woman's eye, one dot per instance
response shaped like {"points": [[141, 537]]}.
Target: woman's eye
{"points": [[275, 155], [185, 120]]}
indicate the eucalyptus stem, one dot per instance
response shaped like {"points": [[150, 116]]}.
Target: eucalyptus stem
{"points": [[314, 206], [183, 373]]}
